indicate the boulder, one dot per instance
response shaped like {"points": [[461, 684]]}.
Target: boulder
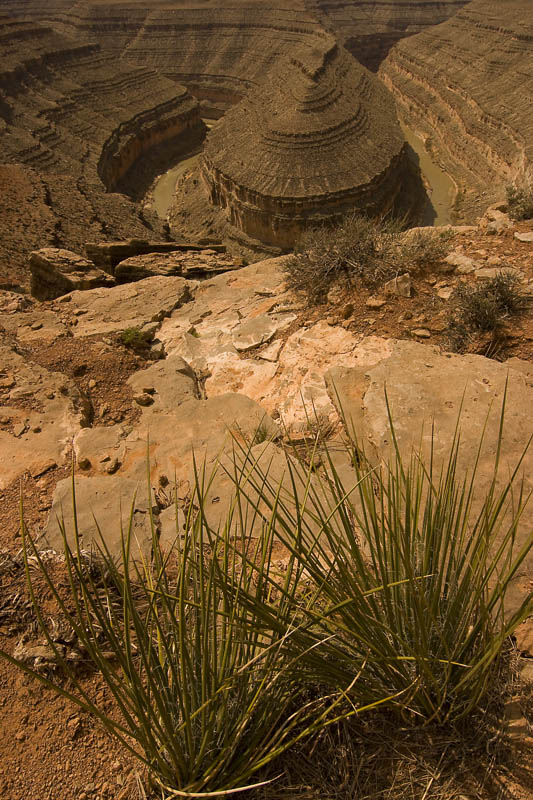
{"points": [[133, 305], [55, 272], [188, 263]]}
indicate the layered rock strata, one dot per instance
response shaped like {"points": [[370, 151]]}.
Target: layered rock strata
{"points": [[218, 50], [317, 139], [69, 108], [370, 28], [55, 272], [467, 87]]}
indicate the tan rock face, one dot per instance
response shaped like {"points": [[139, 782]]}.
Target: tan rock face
{"points": [[55, 272], [41, 410]]}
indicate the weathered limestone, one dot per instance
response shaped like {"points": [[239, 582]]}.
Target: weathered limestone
{"points": [[41, 412], [189, 264], [133, 305], [55, 272]]}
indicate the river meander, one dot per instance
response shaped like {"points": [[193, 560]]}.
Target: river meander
{"points": [[440, 187]]}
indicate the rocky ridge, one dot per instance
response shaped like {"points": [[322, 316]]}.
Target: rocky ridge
{"points": [[466, 86], [315, 140]]}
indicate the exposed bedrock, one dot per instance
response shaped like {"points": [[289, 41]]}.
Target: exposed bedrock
{"points": [[317, 139], [369, 28], [69, 108], [467, 86]]}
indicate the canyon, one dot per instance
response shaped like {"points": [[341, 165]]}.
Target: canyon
{"points": [[159, 163], [178, 62]]}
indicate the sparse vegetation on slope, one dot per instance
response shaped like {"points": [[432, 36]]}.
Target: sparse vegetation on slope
{"points": [[520, 199], [484, 308], [219, 660], [360, 251]]}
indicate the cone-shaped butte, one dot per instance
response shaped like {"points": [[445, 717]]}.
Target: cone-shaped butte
{"points": [[317, 139]]}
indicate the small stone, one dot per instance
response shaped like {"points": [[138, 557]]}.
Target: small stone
{"points": [[445, 293], [20, 736], [36, 429], [105, 409], [84, 463], [92, 384], [421, 333], [43, 469], [375, 302], [400, 286], [148, 390], [19, 429], [143, 399], [524, 237], [113, 467], [36, 326], [163, 480], [347, 311]]}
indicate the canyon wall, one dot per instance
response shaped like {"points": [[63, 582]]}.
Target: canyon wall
{"points": [[317, 139], [67, 107], [466, 86], [370, 28]]}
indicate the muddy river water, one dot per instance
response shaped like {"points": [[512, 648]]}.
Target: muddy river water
{"points": [[440, 188]]}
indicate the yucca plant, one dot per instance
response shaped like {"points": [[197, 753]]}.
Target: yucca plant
{"points": [[408, 569], [202, 698]]}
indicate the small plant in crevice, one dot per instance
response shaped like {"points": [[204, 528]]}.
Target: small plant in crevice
{"points": [[135, 339]]}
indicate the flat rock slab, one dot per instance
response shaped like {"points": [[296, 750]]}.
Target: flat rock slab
{"points": [[185, 264], [43, 411], [254, 332], [55, 272], [102, 311], [169, 383], [524, 237], [104, 506], [34, 325]]}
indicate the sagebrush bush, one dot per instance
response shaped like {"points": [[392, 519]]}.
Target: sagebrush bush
{"points": [[359, 251], [485, 306], [353, 252], [520, 199]]}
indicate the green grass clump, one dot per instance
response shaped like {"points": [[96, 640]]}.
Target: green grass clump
{"points": [[408, 568], [201, 697], [219, 660], [135, 339]]}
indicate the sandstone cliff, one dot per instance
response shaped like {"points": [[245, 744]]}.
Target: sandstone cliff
{"points": [[467, 85], [369, 28]]}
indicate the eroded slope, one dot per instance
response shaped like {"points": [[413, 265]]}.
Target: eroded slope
{"points": [[467, 85]]}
